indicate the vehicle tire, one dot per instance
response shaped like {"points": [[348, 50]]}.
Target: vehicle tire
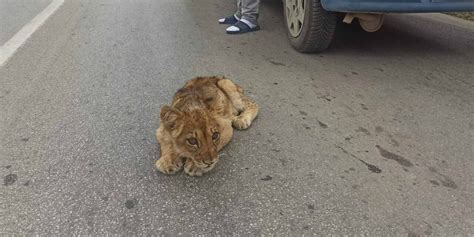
{"points": [[310, 28]]}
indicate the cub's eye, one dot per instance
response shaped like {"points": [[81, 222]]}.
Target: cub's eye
{"points": [[192, 141], [215, 136]]}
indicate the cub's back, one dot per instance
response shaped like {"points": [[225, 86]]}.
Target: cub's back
{"points": [[202, 93]]}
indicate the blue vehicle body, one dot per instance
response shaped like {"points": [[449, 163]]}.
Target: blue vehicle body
{"points": [[401, 6]]}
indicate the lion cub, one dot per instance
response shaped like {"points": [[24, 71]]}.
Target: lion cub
{"points": [[199, 124]]}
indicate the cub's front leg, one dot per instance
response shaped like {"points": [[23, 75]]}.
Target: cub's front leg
{"points": [[169, 162]]}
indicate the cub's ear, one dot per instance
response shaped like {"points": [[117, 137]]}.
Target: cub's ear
{"points": [[170, 117]]}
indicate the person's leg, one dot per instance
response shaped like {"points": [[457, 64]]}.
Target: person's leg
{"points": [[250, 11], [248, 21], [238, 13]]}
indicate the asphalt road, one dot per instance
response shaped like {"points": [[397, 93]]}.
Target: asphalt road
{"points": [[374, 136], [14, 14]]}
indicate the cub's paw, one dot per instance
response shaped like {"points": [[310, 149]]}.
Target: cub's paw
{"points": [[167, 167], [239, 107], [191, 169], [241, 123]]}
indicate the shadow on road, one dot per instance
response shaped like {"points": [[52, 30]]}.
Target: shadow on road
{"points": [[398, 36], [395, 38]]}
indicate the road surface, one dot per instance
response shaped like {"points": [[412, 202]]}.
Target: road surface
{"points": [[374, 136]]}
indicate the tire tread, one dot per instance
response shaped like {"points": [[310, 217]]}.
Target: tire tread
{"points": [[322, 25]]}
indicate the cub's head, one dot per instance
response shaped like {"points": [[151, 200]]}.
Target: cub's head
{"points": [[195, 134]]}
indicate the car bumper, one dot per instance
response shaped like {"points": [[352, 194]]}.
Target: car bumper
{"points": [[406, 6]]}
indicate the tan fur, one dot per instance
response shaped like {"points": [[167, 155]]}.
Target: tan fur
{"points": [[203, 107]]}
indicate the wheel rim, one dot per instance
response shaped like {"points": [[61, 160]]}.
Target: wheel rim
{"points": [[295, 16]]}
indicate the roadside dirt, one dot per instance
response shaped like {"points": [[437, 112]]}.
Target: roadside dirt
{"points": [[464, 15]]}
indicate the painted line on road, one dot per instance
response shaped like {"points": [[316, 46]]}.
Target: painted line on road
{"points": [[10, 47]]}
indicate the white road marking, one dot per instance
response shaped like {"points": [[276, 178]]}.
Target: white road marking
{"points": [[10, 47]]}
